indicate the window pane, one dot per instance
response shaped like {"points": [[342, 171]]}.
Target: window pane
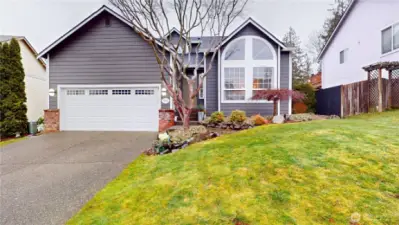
{"points": [[396, 36], [263, 78], [236, 51], [261, 51], [234, 95], [234, 78], [387, 40]]}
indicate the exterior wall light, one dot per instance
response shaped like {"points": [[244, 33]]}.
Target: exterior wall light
{"points": [[51, 92]]}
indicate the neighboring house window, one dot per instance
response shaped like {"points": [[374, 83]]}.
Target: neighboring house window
{"points": [[249, 64], [390, 39], [343, 56]]}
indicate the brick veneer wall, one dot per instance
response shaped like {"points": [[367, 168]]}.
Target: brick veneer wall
{"points": [[166, 119], [51, 120]]}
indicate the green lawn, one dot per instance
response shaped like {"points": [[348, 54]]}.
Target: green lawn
{"points": [[10, 141], [309, 173]]}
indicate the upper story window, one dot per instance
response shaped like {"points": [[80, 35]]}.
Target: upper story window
{"points": [[343, 56], [249, 64], [260, 51], [390, 39], [236, 51]]}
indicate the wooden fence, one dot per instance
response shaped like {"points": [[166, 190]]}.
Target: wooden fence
{"points": [[375, 94], [360, 97], [363, 97], [354, 98]]}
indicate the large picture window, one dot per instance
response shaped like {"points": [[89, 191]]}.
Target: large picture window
{"points": [[249, 64], [390, 39], [234, 83]]}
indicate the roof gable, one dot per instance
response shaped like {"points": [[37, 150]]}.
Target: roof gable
{"points": [[340, 23], [251, 21], [102, 9]]}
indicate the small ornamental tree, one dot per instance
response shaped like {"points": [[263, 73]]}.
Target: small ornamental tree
{"points": [[276, 95], [12, 91]]}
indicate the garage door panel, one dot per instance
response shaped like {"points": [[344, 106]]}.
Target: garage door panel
{"points": [[110, 109]]}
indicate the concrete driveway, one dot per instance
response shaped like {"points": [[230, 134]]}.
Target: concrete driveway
{"points": [[47, 179]]}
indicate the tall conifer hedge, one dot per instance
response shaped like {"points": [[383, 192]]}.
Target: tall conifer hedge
{"points": [[12, 91]]}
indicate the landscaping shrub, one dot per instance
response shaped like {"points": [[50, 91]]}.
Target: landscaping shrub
{"points": [[300, 107], [40, 121], [217, 117], [310, 95], [259, 120], [301, 117], [237, 116]]}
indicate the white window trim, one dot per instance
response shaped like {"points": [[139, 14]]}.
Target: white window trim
{"points": [[392, 47], [248, 64]]}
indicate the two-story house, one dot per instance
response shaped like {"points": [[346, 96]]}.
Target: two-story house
{"points": [[367, 33]]}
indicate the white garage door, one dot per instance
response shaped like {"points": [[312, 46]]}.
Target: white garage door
{"points": [[109, 109]]}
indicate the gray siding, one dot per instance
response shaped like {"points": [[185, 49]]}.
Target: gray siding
{"points": [[260, 108], [264, 109], [212, 92], [284, 79], [100, 54]]}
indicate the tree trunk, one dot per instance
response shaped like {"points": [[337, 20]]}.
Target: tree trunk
{"points": [[275, 105], [186, 119]]}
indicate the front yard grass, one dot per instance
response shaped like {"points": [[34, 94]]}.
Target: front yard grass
{"points": [[10, 141], [317, 172]]}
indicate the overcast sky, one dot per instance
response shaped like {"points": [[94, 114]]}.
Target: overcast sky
{"points": [[43, 21]]}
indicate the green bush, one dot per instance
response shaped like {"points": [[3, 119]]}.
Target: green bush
{"points": [[40, 121], [217, 117], [310, 95], [237, 116]]}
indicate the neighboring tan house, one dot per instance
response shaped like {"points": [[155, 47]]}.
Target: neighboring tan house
{"points": [[367, 33], [106, 77], [36, 78]]}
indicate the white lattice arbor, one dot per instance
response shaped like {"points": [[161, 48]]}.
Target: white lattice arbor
{"points": [[383, 93]]}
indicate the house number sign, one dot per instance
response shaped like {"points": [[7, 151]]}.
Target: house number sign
{"points": [[165, 100]]}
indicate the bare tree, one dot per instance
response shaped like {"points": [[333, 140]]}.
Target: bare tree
{"points": [[151, 19], [314, 46]]}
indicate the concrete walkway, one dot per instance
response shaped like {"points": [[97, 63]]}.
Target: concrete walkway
{"points": [[47, 179]]}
